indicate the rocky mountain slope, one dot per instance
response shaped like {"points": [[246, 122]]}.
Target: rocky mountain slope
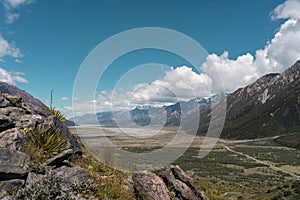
{"points": [[13, 90], [267, 107]]}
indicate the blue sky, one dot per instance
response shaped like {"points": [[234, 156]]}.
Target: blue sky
{"points": [[46, 41]]}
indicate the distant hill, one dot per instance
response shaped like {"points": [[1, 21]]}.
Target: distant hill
{"points": [[13, 90], [270, 106]]}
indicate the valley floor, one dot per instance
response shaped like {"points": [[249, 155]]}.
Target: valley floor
{"points": [[247, 169]]}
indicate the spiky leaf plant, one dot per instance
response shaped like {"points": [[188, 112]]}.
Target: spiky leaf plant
{"points": [[42, 144], [58, 114]]}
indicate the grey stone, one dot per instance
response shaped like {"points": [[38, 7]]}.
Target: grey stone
{"points": [[72, 175], [13, 184], [149, 185], [13, 164], [29, 121], [33, 178], [183, 185], [11, 139], [5, 123], [59, 158], [5, 196]]}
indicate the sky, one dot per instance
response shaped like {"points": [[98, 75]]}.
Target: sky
{"points": [[45, 43]]}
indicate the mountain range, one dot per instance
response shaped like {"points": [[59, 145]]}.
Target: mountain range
{"points": [[267, 107]]}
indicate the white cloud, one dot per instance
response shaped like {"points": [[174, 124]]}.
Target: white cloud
{"points": [[289, 9], [11, 77], [65, 99], [11, 7], [177, 84], [8, 49], [278, 54], [182, 83]]}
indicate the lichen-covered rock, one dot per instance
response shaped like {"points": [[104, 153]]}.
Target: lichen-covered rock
{"points": [[183, 185], [72, 175], [11, 138], [33, 178], [5, 123], [13, 164], [150, 186], [15, 115], [11, 185], [59, 158]]}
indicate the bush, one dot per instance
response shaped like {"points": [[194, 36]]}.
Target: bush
{"points": [[42, 144]]}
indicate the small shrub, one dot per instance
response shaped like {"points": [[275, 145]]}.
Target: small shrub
{"points": [[42, 144], [58, 114]]}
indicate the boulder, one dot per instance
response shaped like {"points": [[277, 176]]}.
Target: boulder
{"points": [[182, 184], [11, 185], [13, 164], [59, 158], [5, 123], [150, 186], [5, 196], [72, 175], [11, 139], [33, 178]]}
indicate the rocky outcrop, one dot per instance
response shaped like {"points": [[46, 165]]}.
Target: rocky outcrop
{"points": [[172, 183], [13, 90], [16, 114], [21, 178], [149, 185], [13, 164]]}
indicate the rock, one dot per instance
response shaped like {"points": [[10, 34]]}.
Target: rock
{"points": [[13, 164], [13, 113], [59, 158], [5, 123], [181, 190], [4, 195], [29, 121], [129, 183], [183, 185], [149, 185], [11, 139], [33, 178], [11, 185], [72, 175], [13, 90], [3, 102]]}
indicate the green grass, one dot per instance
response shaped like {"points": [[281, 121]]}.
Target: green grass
{"points": [[289, 140]]}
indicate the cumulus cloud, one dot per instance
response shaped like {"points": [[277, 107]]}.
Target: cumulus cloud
{"points": [[289, 9], [64, 98], [277, 55], [178, 84], [11, 7], [12, 77], [219, 73], [8, 49]]}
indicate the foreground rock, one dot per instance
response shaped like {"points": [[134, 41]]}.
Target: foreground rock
{"points": [[173, 183], [149, 185], [13, 164], [183, 185], [15, 115]]}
